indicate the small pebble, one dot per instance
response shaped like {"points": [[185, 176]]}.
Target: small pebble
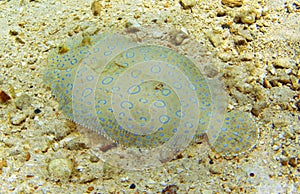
{"points": [[9, 64], [258, 108], [221, 13], [96, 8], [293, 161], [3, 163], [13, 32], [150, 181], [177, 37], [132, 26], [247, 56], [215, 37], [94, 158], [283, 160], [123, 179], [37, 111], [91, 188], [233, 3], [55, 146], [247, 17], [215, 170], [239, 40], [170, 189], [295, 82], [283, 62], [211, 71], [4, 97], [23, 101], [187, 4], [18, 119], [266, 83], [60, 169], [163, 183], [132, 186], [225, 57], [20, 40], [276, 147], [76, 144], [158, 34], [62, 49]]}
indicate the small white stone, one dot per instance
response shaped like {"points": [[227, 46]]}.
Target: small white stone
{"points": [[79, 168], [276, 147], [55, 146], [281, 136], [150, 181], [40, 123], [163, 183], [124, 179], [18, 119], [184, 30]]}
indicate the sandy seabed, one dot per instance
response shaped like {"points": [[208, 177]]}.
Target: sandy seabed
{"points": [[256, 48]]}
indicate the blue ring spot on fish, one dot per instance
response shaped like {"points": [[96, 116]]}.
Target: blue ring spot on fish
{"points": [[126, 105], [134, 89], [107, 80]]}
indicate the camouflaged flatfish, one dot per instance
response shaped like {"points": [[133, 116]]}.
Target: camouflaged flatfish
{"points": [[143, 95]]}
